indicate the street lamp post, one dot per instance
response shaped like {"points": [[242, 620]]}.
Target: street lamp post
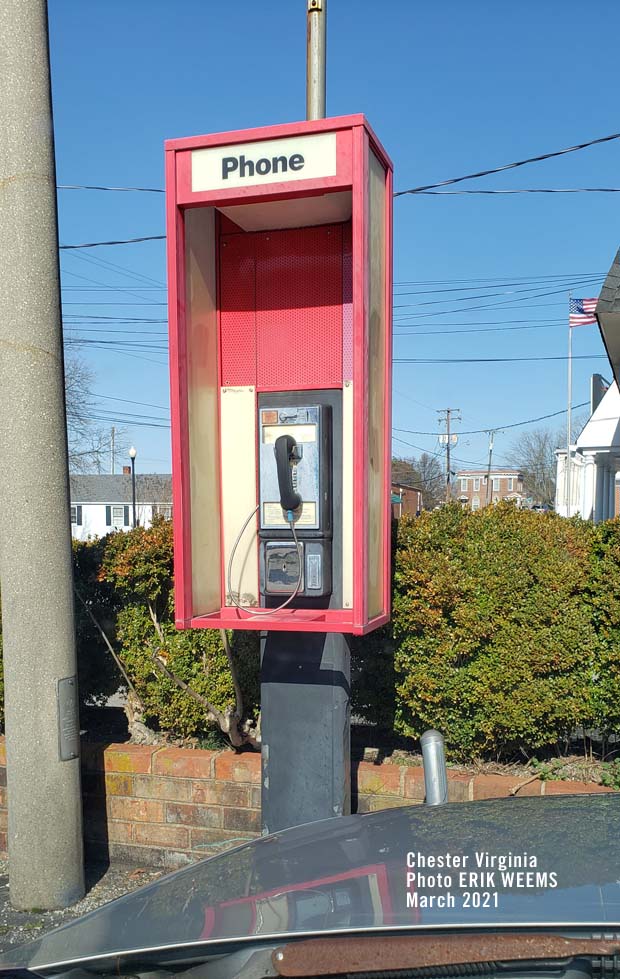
{"points": [[132, 456]]}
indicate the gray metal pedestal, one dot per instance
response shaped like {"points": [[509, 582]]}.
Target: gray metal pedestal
{"points": [[305, 727]]}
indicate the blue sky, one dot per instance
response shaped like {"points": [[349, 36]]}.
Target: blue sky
{"points": [[450, 88]]}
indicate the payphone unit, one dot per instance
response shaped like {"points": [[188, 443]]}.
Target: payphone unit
{"points": [[295, 492]]}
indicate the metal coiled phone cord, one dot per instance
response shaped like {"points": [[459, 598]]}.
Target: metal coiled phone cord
{"points": [[251, 608]]}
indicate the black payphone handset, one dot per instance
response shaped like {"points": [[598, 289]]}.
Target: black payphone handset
{"points": [[295, 503], [285, 449]]}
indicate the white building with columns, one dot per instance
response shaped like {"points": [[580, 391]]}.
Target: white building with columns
{"points": [[595, 457], [594, 464]]}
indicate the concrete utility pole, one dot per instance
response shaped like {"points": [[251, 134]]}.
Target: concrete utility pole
{"points": [[306, 677], [43, 769]]}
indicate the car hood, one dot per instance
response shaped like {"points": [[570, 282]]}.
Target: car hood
{"points": [[552, 861]]}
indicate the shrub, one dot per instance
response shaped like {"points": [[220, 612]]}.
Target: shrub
{"points": [[505, 633], [98, 675], [138, 567], [604, 601], [197, 657], [495, 641]]}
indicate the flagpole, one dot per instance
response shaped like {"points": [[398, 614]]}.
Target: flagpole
{"points": [[568, 412]]}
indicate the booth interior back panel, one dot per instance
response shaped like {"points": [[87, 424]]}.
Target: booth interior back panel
{"points": [[281, 296], [237, 311]]}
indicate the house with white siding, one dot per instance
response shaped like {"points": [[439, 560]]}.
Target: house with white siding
{"points": [[102, 502], [587, 481]]}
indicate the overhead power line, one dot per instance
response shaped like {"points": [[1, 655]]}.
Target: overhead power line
{"points": [[489, 360], [534, 283], [425, 188], [120, 241], [499, 428], [492, 295], [124, 421], [121, 269], [430, 452], [144, 404], [508, 166], [412, 190], [439, 329], [492, 329], [497, 279], [526, 190], [521, 301], [143, 190]]}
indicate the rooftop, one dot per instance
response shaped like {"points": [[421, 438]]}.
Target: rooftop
{"points": [[116, 488], [406, 486], [504, 471], [608, 315]]}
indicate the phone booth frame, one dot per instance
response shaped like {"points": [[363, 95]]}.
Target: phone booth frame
{"points": [[198, 209]]}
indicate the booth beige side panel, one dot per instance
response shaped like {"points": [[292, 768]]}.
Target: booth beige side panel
{"points": [[202, 386], [347, 495], [376, 385], [238, 428]]}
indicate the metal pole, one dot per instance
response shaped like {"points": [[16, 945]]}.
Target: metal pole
{"points": [[305, 728], [306, 676], [132, 456], [133, 489], [435, 772], [43, 769], [316, 59]]}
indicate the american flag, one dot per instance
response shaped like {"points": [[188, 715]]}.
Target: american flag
{"points": [[581, 312]]}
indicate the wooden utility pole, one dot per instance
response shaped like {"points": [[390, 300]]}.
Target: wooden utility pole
{"points": [[491, 442], [449, 415]]}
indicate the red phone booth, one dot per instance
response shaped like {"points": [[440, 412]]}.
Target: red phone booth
{"points": [[280, 283]]}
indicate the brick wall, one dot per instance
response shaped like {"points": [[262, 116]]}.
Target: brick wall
{"points": [[410, 500], [169, 806], [505, 484]]}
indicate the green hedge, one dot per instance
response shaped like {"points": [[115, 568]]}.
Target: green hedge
{"points": [[505, 632], [133, 582], [496, 642]]}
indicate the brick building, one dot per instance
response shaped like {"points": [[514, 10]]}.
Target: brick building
{"points": [[406, 499], [470, 487]]}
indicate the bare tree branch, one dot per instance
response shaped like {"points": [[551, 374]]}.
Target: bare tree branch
{"points": [[229, 721], [533, 453], [89, 444], [424, 473], [155, 622], [110, 647], [182, 685]]}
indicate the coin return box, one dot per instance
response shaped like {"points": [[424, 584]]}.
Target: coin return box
{"points": [[280, 568]]}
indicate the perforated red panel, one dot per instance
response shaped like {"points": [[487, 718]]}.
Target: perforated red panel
{"points": [[299, 308], [237, 310], [347, 303]]}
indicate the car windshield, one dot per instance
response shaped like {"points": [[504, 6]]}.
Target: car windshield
{"points": [[500, 863]]}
